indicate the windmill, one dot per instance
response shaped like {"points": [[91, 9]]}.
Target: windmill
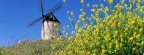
{"points": [[50, 24]]}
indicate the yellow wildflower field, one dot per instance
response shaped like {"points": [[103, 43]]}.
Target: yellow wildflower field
{"points": [[119, 32]]}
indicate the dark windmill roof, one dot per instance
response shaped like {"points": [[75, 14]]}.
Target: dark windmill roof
{"points": [[51, 17]]}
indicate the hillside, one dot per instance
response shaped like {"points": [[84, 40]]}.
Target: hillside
{"points": [[39, 47]]}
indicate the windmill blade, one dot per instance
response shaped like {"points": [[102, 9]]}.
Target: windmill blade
{"points": [[55, 8], [42, 9], [35, 21]]}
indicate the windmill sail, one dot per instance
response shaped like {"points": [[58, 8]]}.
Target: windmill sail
{"points": [[33, 22], [55, 8], [41, 5]]}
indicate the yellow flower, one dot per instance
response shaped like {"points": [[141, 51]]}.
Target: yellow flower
{"points": [[103, 50], [43, 39], [100, 25], [69, 46], [131, 38], [133, 49], [80, 30], [122, 1], [88, 53], [97, 43], [68, 12], [134, 34], [88, 5], [69, 52], [51, 35], [142, 43], [57, 29], [64, 1], [117, 46], [138, 36], [66, 34], [73, 32], [84, 13], [80, 16], [77, 26], [77, 35], [137, 44], [115, 32], [110, 1], [59, 39], [106, 9], [104, 0], [82, 1], [139, 0], [72, 13], [138, 6], [67, 26], [81, 9], [126, 29], [142, 9], [120, 14], [69, 38]]}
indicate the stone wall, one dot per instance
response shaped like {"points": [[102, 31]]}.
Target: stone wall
{"points": [[49, 29]]}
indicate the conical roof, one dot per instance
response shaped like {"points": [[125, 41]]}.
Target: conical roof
{"points": [[51, 17]]}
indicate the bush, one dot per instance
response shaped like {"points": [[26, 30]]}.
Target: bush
{"points": [[109, 30]]}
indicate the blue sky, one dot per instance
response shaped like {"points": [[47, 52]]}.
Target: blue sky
{"points": [[16, 14]]}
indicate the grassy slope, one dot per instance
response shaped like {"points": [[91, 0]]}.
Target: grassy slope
{"points": [[39, 47]]}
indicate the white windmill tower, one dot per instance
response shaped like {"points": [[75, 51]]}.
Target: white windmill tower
{"points": [[50, 24]]}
